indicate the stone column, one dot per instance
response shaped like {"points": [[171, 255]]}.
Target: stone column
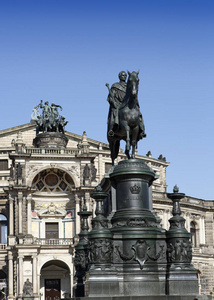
{"points": [[77, 217], [203, 231], [35, 285], [11, 212], [10, 275], [20, 197], [187, 222], [29, 198], [20, 275], [100, 166], [72, 283]]}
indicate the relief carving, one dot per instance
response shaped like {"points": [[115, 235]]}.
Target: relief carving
{"points": [[179, 251], [142, 252], [100, 251]]}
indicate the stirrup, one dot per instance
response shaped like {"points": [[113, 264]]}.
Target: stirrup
{"points": [[111, 133]]}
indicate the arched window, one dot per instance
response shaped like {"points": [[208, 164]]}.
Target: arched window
{"points": [[3, 229], [193, 233], [53, 181]]}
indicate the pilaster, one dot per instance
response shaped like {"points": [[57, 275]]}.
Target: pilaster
{"points": [[10, 275], [20, 275], [35, 281], [11, 215], [20, 198], [29, 199]]}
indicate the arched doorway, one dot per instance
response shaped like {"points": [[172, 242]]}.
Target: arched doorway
{"points": [[55, 281]]}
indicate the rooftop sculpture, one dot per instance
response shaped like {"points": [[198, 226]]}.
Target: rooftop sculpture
{"points": [[49, 120]]}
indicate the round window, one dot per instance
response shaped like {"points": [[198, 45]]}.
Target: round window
{"points": [[51, 179]]}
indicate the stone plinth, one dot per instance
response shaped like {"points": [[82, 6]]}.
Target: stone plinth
{"points": [[139, 246], [143, 297], [50, 140], [146, 261]]}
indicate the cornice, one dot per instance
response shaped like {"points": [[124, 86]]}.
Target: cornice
{"points": [[16, 129]]}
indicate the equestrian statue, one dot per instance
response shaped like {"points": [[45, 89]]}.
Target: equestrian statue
{"points": [[125, 121]]}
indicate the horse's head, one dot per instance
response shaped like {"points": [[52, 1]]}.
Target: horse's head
{"points": [[132, 83]]}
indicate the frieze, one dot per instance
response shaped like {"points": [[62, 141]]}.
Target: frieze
{"points": [[99, 223], [81, 259], [179, 251], [177, 224], [135, 222], [132, 164], [100, 251]]}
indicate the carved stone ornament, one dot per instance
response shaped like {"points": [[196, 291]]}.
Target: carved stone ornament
{"points": [[74, 170], [141, 252], [31, 169], [100, 251], [141, 249], [136, 222], [81, 259], [28, 289], [52, 211], [179, 251]]}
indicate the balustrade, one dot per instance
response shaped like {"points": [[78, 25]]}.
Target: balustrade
{"points": [[53, 242]]}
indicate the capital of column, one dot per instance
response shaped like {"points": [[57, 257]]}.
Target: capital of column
{"points": [[29, 198], [11, 198], [10, 256], [34, 256]]}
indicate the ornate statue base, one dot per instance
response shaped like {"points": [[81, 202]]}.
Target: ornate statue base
{"points": [[50, 140], [140, 265]]}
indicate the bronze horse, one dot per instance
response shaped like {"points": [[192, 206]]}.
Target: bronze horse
{"points": [[131, 127]]}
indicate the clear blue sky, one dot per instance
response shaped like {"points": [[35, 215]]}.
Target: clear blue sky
{"points": [[65, 51]]}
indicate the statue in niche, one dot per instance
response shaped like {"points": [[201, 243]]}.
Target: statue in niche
{"points": [[125, 121], [28, 289], [19, 173], [11, 172], [86, 174], [93, 173]]}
